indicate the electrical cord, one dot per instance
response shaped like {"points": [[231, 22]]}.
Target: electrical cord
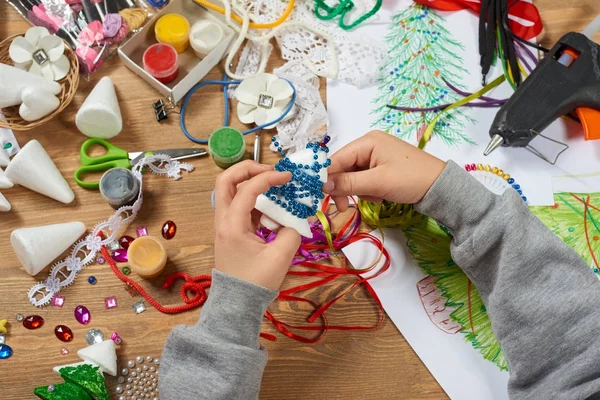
{"points": [[225, 83]]}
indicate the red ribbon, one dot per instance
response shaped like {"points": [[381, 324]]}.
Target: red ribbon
{"points": [[523, 17]]}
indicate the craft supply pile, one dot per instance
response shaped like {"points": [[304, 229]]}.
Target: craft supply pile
{"points": [[413, 70]]}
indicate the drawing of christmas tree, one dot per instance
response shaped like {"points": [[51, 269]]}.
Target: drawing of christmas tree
{"points": [[429, 245], [575, 218], [422, 57]]}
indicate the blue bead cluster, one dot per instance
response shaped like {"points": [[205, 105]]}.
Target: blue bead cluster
{"points": [[305, 182]]}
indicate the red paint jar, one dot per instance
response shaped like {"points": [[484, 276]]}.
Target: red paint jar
{"points": [[162, 62]]}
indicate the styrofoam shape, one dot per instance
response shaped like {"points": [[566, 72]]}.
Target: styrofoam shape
{"points": [[33, 168], [37, 103], [100, 115], [5, 183], [13, 81], [102, 354], [4, 204], [4, 157], [37, 246]]}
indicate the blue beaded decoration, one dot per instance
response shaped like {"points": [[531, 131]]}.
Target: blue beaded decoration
{"points": [[92, 280], [305, 182]]}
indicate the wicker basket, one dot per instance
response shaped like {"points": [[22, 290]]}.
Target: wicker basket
{"points": [[69, 84]]}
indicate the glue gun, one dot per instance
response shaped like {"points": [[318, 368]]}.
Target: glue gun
{"points": [[566, 80]]}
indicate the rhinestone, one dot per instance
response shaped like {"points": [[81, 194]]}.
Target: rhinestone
{"points": [[139, 360], [139, 308], [5, 351], [168, 230], [131, 363], [92, 280], [94, 336], [40, 57], [2, 338], [19, 317], [57, 300], [265, 101], [114, 246], [33, 322], [110, 302], [119, 389], [141, 231], [100, 260], [82, 315], [64, 351], [51, 388], [124, 371]]}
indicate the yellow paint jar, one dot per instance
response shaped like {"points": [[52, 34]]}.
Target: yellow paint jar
{"points": [[173, 29], [147, 257]]}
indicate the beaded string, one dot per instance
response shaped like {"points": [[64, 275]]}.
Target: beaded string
{"points": [[497, 171], [310, 183]]}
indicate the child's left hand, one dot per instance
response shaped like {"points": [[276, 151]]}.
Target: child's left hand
{"points": [[238, 250]]}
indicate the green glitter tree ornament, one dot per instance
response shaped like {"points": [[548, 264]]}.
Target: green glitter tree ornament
{"points": [[82, 382]]}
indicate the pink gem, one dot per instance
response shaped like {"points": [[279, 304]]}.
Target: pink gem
{"points": [[116, 338], [82, 315], [58, 300], [64, 351], [142, 231], [473, 167], [100, 260], [468, 167], [119, 255], [110, 302]]}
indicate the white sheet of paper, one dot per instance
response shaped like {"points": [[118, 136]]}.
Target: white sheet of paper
{"points": [[460, 369], [349, 111], [577, 184]]}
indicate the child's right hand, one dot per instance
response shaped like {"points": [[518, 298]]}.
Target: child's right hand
{"points": [[379, 166]]}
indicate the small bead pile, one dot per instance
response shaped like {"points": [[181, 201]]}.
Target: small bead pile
{"points": [[496, 171], [139, 380], [305, 183]]}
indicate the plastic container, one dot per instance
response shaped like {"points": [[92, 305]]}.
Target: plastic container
{"points": [[205, 36], [119, 187], [147, 257], [226, 146], [173, 29], [162, 62]]}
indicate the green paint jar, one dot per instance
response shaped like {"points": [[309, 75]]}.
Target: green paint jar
{"points": [[226, 145]]}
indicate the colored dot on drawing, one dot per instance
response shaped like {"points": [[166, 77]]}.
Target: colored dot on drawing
{"points": [[596, 238], [434, 240], [571, 229], [391, 88], [596, 270]]}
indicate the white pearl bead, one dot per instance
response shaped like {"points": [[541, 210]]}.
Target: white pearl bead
{"points": [[119, 389], [149, 358], [139, 359], [131, 363], [124, 371], [145, 368], [138, 369]]}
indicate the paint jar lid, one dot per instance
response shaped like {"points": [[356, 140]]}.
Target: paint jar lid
{"points": [[173, 29], [119, 187], [205, 35], [226, 146], [147, 257], [161, 60]]}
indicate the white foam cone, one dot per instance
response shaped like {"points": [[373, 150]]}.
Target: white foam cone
{"points": [[100, 115], [5, 183], [38, 246], [14, 80], [33, 168], [4, 204], [4, 157], [103, 354]]}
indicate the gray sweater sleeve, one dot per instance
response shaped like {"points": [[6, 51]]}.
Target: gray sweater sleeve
{"points": [[219, 357], [541, 297]]}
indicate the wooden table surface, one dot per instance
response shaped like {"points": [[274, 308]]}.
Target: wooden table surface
{"points": [[351, 365]]}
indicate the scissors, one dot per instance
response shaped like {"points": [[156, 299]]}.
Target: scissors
{"points": [[115, 157]]}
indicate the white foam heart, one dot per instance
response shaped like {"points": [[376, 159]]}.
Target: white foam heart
{"points": [[14, 80], [37, 103]]}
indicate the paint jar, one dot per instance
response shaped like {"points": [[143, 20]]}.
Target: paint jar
{"points": [[162, 62], [147, 257], [119, 187], [205, 35], [226, 146], [173, 29]]}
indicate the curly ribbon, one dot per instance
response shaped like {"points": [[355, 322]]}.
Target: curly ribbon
{"points": [[523, 17], [387, 214]]}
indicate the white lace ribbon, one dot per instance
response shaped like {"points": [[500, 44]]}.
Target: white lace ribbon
{"points": [[63, 273]]}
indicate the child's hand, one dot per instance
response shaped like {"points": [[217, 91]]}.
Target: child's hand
{"points": [[379, 166], [238, 250]]}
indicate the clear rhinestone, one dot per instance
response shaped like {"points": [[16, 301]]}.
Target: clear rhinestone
{"points": [[121, 379], [131, 363], [20, 317], [114, 246], [2, 338], [139, 308], [94, 336], [40, 57], [265, 101]]}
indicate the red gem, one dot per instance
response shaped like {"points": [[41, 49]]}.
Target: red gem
{"points": [[63, 333], [33, 322], [169, 229], [125, 241]]}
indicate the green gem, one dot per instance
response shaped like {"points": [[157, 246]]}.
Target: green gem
{"points": [[482, 308], [8, 145], [126, 270]]}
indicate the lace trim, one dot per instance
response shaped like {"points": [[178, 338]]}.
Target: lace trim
{"points": [[64, 273]]}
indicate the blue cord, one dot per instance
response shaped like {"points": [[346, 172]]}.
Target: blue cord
{"points": [[225, 83], [157, 3]]}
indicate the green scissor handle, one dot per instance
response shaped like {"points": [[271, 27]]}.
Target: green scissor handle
{"points": [[96, 168], [112, 152]]}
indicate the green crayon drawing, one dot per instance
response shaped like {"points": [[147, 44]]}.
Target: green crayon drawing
{"points": [[422, 57]]}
